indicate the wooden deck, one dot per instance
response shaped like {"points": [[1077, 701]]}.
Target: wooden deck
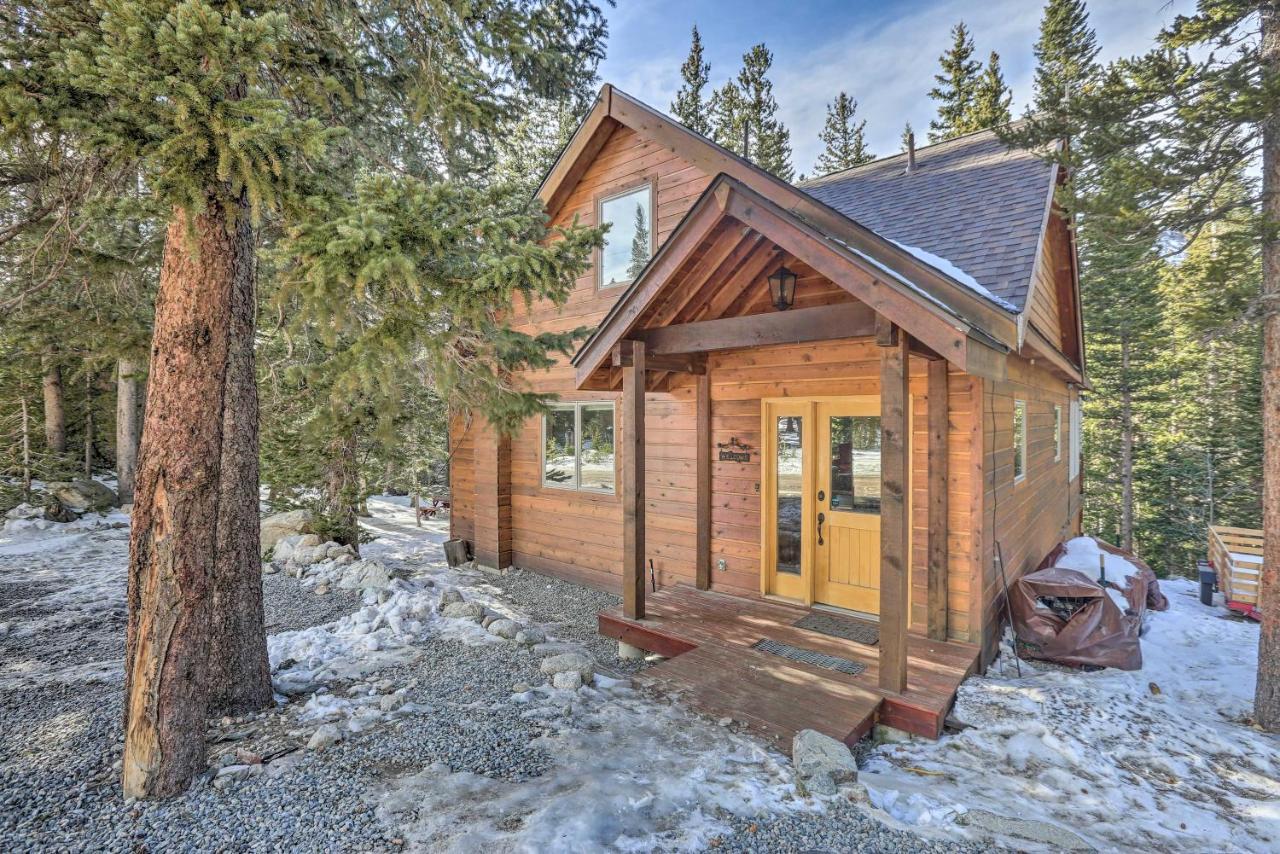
{"points": [[707, 638]]}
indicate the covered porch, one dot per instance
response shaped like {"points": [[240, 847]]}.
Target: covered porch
{"points": [[714, 660]]}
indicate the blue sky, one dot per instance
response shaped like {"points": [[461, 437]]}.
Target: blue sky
{"points": [[884, 54]]}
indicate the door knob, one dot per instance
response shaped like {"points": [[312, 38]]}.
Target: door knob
{"points": [[822, 517]]}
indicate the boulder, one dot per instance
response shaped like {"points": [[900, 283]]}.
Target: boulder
{"points": [[530, 635], [568, 680], [326, 735], [365, 575], [569, 662], [504, 628], [280, 525], [464, 611], [448, 596], [24, 511], [83, 496], [822, 763]]}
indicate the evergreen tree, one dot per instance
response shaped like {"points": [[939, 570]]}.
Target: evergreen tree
{"points": [[689, 106], [957, 87], [641, 248], [727, 112], [843, 136], [907, 134], [991, 100], [768, 140], [1066, 56]]}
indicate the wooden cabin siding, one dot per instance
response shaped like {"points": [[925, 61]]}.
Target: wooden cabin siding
{"points": [[1051, 300], [1043, 311], [573, 534], [1030, 516]]}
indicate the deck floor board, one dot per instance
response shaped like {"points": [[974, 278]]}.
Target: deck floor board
{"points": [[722, 676]]}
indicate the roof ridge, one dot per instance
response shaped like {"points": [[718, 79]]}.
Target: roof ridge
{"points": [[931, 146]]}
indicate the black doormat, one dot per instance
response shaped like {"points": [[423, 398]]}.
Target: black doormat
{"points": [[808, 656], [838, 626]]}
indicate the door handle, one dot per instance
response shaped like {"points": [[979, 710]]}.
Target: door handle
{"points": [[822, 517]]}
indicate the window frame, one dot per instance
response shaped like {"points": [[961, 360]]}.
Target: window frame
{"points": [[1019, 443], [600, 202], [577, 406], [1057, 432], [1076, 430]]}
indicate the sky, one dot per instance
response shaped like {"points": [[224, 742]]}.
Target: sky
{"points": [[882, 52]]}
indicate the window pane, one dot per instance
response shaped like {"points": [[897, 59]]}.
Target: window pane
{"points": [[1019, 438], [790, 483], [560, 443], [855, 463], [628, 244], [597, 468]]}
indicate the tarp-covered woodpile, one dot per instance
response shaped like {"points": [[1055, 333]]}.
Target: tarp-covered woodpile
{"points": [[1084, 606]]}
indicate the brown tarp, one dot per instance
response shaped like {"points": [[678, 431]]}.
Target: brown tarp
{"points": [[1064, 616]]}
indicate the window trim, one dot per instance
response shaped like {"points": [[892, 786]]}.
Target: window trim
{"points": [[577, 406], [1019, 444], [600, 202], [1057, 432]]}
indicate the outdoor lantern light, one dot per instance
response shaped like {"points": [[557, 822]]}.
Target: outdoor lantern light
{"points": [[782, 285]]}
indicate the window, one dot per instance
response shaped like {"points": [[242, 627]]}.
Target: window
{"points": [[1019, 439], [628, 245], [1076, 417], [855, 463], [577, 447], [1057, 433]]}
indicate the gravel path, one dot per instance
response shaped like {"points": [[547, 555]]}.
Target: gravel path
{"points": [[473, 760]]}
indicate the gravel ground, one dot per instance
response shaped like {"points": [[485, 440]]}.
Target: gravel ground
{"points": [[59, 786]]}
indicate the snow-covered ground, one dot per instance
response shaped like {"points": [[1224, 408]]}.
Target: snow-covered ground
{"points": [[471, 752], [1163, 759]]}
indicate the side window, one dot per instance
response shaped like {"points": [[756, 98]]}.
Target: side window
{"points": [[1057, 433], [578, 447], [1019, 439], [1077, 418], [628, 245]]}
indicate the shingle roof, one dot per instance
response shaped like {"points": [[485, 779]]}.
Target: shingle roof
{"points": [[970, 200]]}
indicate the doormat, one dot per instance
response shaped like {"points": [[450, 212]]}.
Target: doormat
{"points": [[808, 656], [849, 628]]}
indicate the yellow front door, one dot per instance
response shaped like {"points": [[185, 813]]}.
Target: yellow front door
{"points": [[787, 491], [847, 504]]}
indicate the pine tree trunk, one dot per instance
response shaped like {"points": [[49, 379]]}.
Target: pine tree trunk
{"points": [[1267, 696], [1126, 450], [55, 413], [88, 425], [172, 548], [342, 483], [26, 450], [239, 673], [128, 428]]}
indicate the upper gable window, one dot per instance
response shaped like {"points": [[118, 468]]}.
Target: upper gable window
{"points": [[628, 245]]}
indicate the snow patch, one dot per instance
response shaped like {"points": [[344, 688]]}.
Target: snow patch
{"points": [[953, 271]]}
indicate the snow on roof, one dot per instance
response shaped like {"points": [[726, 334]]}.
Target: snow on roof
{"points": [[947, 268]]}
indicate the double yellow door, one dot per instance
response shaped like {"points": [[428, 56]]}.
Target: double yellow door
{"points": [[821, 501]]}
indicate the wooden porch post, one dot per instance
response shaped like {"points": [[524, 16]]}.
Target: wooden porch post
{"points": [[894, 444], [937, 481], [630, 357], [702, 404]]}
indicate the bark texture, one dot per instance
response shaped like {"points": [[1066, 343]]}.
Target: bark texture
{"points": [[1126, 449], [239, 673], [172, 548], [128, 426], [88, 425], [55, 413], [1267, 696]]}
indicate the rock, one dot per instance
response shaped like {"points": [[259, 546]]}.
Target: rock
{"points": [[364, 575], [569, 662], [448, 596], [464, 611], [821, 763], [24, 511], [488, 620], [322, 589], [326, 735], [280, 525], [391, 702], [531, 635], [56, 511], [127, 508], [627, 652], [83, 496], [270, 568], [567, 680], [1050, 835], [504, 629]]}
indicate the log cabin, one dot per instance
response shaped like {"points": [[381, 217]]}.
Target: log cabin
{"points": [[854, 401]]}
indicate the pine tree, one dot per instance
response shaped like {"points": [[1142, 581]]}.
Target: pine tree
{"points": [[843, 136], [991, 100], [689, 106], [957, 87], [641, 248], [727, 112], [1066, 56], [768, 140]]}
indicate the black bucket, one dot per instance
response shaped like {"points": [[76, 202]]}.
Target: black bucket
{"points": [[1208, 581]]}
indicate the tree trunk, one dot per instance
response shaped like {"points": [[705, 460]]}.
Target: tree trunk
{"points": [[88, 424], [1126, 449], [239, 673], [342, 487], [26, 450], [1267, 696], [55, 413], [172, 547], [128, 428]]}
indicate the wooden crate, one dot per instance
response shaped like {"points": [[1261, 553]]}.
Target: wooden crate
{"points": [[1236, 554]]}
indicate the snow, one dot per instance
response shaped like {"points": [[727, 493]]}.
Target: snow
{"points": [[1163, 758], [1083, 556], [951, 270]]}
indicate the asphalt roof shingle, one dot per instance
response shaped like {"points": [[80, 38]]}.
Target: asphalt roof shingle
{"points": [[971, 200]]}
